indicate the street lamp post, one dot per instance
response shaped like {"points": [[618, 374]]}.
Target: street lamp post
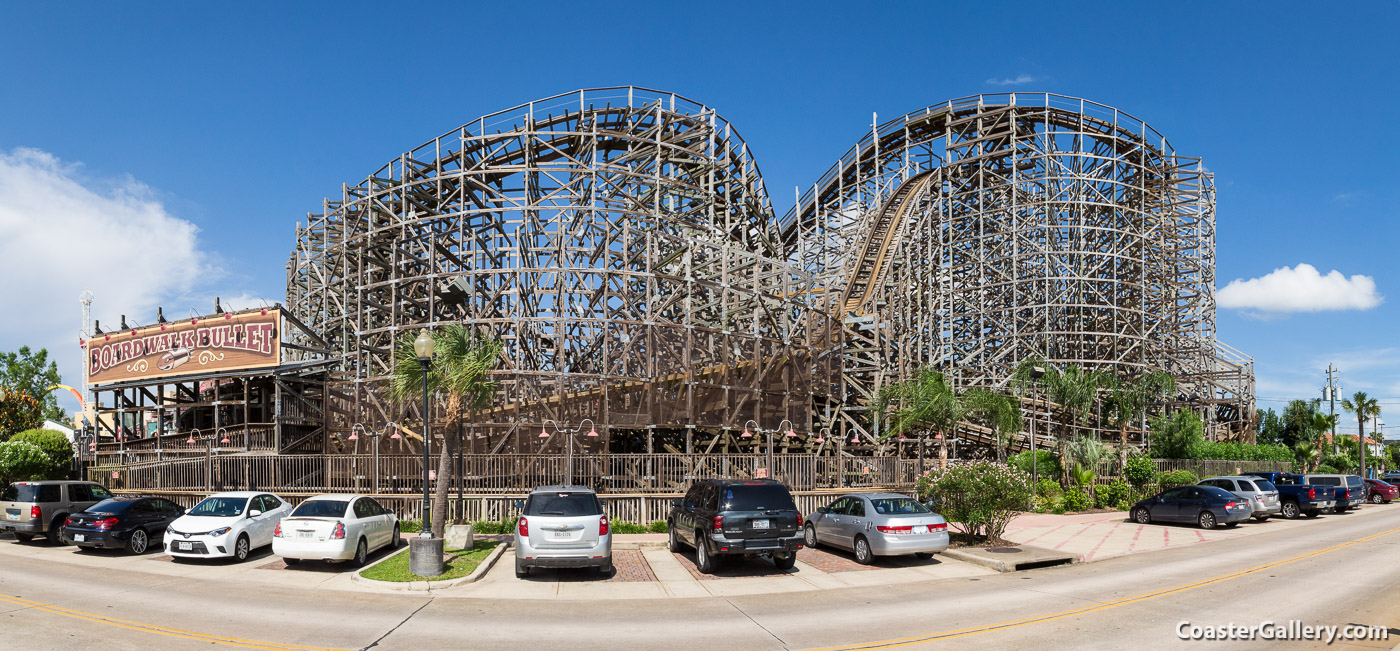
{"points": [[423, 348], [569, 455], [1036, 373], [790, 433]]}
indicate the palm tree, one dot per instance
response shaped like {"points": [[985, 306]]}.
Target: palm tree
{"points": [[1308, 452], [1128, 401], [925, 401], [1317, 425], [1073, 389], [998, 412], [462, 363], [1365, 408]]}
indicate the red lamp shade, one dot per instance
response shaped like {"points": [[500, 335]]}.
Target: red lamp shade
{"points": [[396, 435], [352, 437], [791, 433], [747, 434], [593, 433], [543, 433]]}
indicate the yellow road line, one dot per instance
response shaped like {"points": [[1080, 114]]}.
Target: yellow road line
{"points": [[158, 630], [975, 630]]}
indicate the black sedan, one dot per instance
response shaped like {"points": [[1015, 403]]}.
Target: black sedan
{"points": [[133, 523], [1206, 506]]}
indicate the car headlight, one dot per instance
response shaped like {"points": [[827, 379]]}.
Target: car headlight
{"points": [[220, 532]]}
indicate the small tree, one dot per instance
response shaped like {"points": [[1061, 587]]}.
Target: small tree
{"points": [[925, 401], [998, 412], [23, 461], [1139, 471], [1128, 401], [1175, 435], [1365, 408], [54, 444], [19, 411], [979, 497]]}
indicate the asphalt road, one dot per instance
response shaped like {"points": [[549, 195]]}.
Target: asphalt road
{"points": [[1342, 570]]}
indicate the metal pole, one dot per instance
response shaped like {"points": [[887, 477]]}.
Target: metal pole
{"points": [[376, 463], [427, 515], [461, 480], [569, 476]]}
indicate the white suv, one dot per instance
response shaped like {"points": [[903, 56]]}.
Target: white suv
{"points": [[225, 525]]}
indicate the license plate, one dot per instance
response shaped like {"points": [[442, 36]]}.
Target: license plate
{"points": [[305, 534], [12, 516], [184, 546], [759, 524], [77, 537], [562, 534]]}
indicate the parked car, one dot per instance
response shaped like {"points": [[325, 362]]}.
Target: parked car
{"points": [[1259, 492], [335, 528], [562, 526], [726, 517], [226, 525], [1379, 492], [1296, 496], [38, 508], [1207, 506], [132, 523], [1392, 478], [1350, 489], [877, 524]]}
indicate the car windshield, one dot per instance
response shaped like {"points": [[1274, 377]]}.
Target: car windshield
{"points": [[320, 509], [1355, 482], [563, 504], [1265, 485], [111, 506], [756, 497], [20, 493], [898, 506], [219, 507]]}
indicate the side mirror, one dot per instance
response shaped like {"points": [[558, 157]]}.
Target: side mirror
{"points": [[675, 502], [821, 509], [389, 511], [254, 513], [518, 504]]}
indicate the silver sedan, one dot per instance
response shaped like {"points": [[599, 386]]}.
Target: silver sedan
{"points": [[878, 524]]}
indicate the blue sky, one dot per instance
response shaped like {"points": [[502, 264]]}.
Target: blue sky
{"points": [[240, 119]]}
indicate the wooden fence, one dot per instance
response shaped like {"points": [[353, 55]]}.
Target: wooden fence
{"points": [[1108, 470]]}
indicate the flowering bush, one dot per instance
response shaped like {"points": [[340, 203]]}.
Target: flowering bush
{"points": [[978, 497]]}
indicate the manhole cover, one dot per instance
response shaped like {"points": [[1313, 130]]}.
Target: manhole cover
{"points": [[1003, 550]]}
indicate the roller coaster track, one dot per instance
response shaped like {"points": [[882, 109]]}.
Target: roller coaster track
{"points": [[873, 258]]}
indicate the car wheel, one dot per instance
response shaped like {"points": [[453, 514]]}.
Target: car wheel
{"points": [[1206, 520], [1262, 518], [291, 561], [138, 542], [55, 534], [397, 539], [863, 554], [361, 553], [704, 562], [1142, 516], [1290, 510], [1376, 499], [521, 571], [23, 537], [240, 548], [673, 542], [809, 536], [604, 571], [785, 561], [923, 555]]}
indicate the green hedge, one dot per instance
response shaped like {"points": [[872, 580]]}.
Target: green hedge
{"points": [[1173, 478], [1232, 451]]}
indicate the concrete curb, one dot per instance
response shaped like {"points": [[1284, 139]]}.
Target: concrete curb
{"points": [[1036, 557], [425, 586]]}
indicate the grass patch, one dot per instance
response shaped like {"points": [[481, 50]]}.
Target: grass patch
{"points": [[457, 563]]}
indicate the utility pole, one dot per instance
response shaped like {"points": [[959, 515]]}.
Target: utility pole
{"points": [[1332, 401]]}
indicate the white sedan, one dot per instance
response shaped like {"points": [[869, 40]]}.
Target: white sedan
{"points": [[335, 528], [225, 525]]}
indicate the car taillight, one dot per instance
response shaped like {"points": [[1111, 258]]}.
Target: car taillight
{"points": [[1229, 505], [105, 523], [799, 519], [904, 529], [67, 521], [35, 513], [338, 533], [1312, 493], [603, 526], [937, 527], [277, 531], [524, 527], [719, 523]]}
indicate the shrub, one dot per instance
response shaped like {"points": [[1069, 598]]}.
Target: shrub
{"points": [[1076, 499], [1234, 451], [1342, 462], [1111, 495], [627, 527], [1176, 435], [1058, 509], [1047, 464], [1173, 478], [54, 444], [1139, 471], [1326, 469], [23, 461], [1044, 503], [657, 527], [504, 525], [979, 497], [1048, 487], [412, 526]]}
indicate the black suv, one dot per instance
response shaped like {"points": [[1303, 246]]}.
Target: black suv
{"points": [[729, 516]]}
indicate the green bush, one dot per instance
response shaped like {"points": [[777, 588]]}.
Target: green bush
{"points": [[1234, 451], [1111, 495], [1176, 435], [1342, 462], [657, 527], [1047, 464], [1044, 504], [1173, 478], [1058, 509], [1326, 469], [1076, 499], [55, 445], [1048, 487], [1139, 471], [504, 525], [23, 461], [410, 526], [627, 527], [978, 497]]}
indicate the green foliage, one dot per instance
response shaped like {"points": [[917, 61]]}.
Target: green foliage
{"points": [[996, 411], [628, 527], [54, 444], [1076, 500], [1343, 462], [32, 373], [1112, 495], [657, 527], [504, 525], [1048, 487], [19, 411], [1232, 451], [1049, 465], [456, 563], [1084, 477], [1271, 429], [978, 497], [1139, 471], [1085, 451], [1327, 470], [1176, 435], [412, 526], [923, 401], [1172, 478], [23, 461], [1128, 400]]}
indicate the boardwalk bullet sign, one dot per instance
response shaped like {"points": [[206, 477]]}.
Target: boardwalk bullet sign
{"points": [[200, 345]]}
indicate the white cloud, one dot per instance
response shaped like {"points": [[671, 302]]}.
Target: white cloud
{"points": [[1011, 81], [62, 232], [1300, 289]]}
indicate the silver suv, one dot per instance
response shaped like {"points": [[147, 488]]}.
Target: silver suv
{"points": [[562, 526], [1261, 494], [37, 508]]}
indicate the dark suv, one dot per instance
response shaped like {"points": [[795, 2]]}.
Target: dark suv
{"points": [[721, 517]]}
